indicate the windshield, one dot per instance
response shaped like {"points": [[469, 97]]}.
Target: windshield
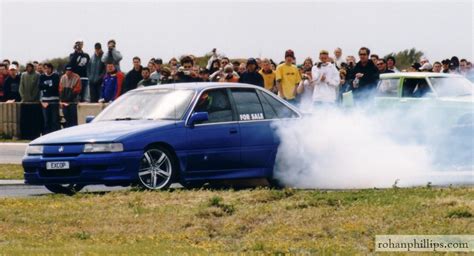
{"points": [[451, 86], [166, 104]]}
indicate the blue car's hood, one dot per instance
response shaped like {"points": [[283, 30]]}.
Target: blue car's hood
{"points": [[105, 131]]}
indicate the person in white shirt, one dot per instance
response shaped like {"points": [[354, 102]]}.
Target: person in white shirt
{"points": [[326, 80], [338, 59]]}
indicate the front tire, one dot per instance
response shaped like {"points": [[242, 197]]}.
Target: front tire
{"points": [[67, 189], [157, 169]]}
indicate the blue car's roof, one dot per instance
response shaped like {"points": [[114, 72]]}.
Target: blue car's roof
{"points": [[198, 86]]}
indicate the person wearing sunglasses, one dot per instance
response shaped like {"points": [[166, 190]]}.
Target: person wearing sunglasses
{"points": [[364, 76], [382, 67]]}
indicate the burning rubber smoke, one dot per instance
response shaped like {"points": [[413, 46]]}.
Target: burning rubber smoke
{"points": [[337, 149]]}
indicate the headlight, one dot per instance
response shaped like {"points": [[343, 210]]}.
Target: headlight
{"points": [[102, 147], [34, 150]]}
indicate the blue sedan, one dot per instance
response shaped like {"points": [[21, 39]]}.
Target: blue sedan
{"points": [[188, 133]]}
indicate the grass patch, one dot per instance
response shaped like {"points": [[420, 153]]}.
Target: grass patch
{"points": [[11, 171], [459, 213], [252, 221]]}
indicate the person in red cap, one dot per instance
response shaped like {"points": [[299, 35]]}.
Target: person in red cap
{"points": [[288, 77]]}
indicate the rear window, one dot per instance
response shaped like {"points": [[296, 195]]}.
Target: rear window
{"points": [[279, 109]]}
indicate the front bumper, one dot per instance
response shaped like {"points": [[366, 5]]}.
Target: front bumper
{"points": [[99, 168]]}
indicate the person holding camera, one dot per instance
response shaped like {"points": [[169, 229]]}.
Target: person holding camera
{"points": [[166, 76], [79, 60], [305, 90], [326, 81], [185, 73], [112, 55], [228, 75]]}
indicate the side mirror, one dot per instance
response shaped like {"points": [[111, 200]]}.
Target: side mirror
{"points": [[197, 117], [89, 119]]}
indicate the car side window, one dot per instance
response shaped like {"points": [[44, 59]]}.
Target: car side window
{"points": [[279, 108], [267, 108], [248, 105], [415, 88], [217, 104], [388, 87]]}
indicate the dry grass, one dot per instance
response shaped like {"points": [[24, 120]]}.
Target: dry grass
{"points": [[11, 171], [248, 221]]}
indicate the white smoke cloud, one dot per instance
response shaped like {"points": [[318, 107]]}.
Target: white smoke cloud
{"points": [[337, 149]]}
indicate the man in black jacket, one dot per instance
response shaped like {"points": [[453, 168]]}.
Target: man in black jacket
{"points": [[49, 86], [79, 60], [133, 76], [364, 77], [11, 86], [251, 76]]}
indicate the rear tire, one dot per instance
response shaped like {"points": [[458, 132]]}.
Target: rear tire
{"points": [[66, 189], [158, 169]]}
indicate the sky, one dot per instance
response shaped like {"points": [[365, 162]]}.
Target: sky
{"points": [[38, 30]]}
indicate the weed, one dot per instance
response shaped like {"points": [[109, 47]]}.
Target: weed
{"points": [[459, 213]]}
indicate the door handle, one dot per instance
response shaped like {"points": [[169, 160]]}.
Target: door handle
{"points": [[233, 131]]}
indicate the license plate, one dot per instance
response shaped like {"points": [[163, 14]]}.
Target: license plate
{"points": [[57, 165]]}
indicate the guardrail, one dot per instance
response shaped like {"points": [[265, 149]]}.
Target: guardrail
{"points": [[11, 116]]}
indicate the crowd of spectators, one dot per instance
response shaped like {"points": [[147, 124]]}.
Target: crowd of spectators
{"points": [[99, 78]]}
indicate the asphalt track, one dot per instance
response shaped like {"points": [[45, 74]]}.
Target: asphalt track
{"points": [[12, 153]]}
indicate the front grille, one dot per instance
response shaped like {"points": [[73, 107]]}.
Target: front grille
{"points": [[61, 155], [60, 173]]}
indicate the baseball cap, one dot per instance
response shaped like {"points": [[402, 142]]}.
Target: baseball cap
{"points": [[68, 68], [416, 65], [251, 61], [12, 66], [290, 53]]}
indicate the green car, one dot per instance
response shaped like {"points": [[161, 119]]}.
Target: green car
{"points": [[435, 105], [446, 97]]}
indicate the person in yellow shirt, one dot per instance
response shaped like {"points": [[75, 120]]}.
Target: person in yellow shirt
{"points": [[288, 77], [268, 76]]}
